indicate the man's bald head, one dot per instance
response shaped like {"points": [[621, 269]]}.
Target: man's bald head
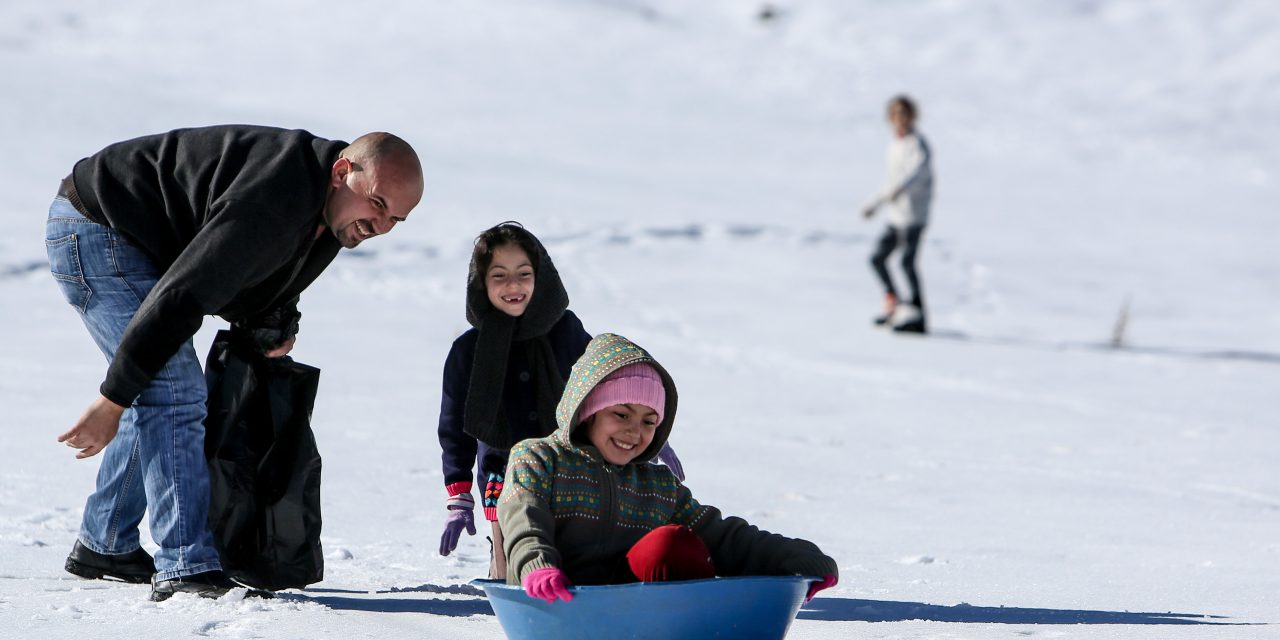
{"points": [[387, 152], [374, 184]]}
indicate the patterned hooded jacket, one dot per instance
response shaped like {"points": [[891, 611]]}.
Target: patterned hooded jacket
{"points": [[565, 506]]}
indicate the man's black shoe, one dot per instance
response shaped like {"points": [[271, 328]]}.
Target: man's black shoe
{"points": [[136, 566], [210, 584]]}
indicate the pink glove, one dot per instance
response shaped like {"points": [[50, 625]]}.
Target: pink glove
{"points": [[547, 584], [826, 582]]}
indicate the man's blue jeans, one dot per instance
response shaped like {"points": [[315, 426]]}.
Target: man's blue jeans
{"points": [[157, 457]]}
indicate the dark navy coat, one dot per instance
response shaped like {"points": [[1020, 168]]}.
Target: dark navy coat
{"points": [[459, 450]]}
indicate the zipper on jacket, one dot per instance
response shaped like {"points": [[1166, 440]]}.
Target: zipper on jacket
{"points": [[609, 509]]}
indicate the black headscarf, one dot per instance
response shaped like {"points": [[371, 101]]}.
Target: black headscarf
{"points": [[484, 418]]}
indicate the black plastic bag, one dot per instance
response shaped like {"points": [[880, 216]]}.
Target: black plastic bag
{"points": [[264, 468]]}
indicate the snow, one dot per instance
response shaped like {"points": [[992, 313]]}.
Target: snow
{"points": [[696, 175]]}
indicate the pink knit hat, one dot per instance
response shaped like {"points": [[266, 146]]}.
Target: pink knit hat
{"points": [[637, 383]]}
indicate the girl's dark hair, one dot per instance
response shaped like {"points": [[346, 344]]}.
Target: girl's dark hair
{"points": [[908, 105], [501, 235]]}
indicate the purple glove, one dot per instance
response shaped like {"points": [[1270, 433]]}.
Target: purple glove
{"points": [[826, 582], [668, 457], [460, 516], [547, 584]]}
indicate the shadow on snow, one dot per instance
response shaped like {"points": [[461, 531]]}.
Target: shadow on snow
{"points": [[1261, 357], [459, 608], [824, 609], [849, 610]]}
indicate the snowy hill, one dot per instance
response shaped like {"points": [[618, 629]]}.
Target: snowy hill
{"points": [[696, 174]]}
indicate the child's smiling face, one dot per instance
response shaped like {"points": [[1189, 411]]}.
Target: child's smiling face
{"points": [[509, 280], [623, 431]]}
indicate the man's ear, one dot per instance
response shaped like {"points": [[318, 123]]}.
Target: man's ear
{"points": [[338, 173]]}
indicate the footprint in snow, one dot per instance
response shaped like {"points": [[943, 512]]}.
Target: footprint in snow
{"points": [[917, 560]]}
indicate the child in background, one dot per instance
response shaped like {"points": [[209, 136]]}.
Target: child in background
{"points": [[504, 377], [908, 192], [582, 506]]}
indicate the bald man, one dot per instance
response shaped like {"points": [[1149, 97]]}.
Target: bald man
{"points": [[145, 239]]}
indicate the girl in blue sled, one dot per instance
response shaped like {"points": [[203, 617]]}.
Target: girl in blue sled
{"points": [[583, 506]]}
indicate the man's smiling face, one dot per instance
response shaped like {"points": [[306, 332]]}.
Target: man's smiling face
{"points": [[366, 201]]}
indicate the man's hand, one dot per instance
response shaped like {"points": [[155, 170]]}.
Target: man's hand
{"points": [[282, 350], [95, 428], [869, 210]]}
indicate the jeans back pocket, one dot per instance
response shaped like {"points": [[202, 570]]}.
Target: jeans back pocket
{"points": [[64, 262]]}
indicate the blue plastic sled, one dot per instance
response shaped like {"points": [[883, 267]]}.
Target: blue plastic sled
{"points": [[749, 607]]}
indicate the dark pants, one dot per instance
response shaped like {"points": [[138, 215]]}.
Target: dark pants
{"points": [[908, 240]]}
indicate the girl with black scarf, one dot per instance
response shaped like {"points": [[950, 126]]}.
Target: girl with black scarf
{"points": [[503, 378]]}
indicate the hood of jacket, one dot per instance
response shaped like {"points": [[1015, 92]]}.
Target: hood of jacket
{"points": [[605, 354]]}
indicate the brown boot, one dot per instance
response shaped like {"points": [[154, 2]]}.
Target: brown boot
{"points": [[498, 556]]}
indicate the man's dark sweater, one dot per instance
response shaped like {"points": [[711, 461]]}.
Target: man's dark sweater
{"points": [[229, 214]]}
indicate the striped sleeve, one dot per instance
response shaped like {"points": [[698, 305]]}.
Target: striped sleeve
{"points": [[524, 510]]}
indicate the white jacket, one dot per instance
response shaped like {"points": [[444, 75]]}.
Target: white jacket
{"points": [[909, 189]]}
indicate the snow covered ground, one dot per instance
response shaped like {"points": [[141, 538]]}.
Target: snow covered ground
{"points": [[696, 174]]}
